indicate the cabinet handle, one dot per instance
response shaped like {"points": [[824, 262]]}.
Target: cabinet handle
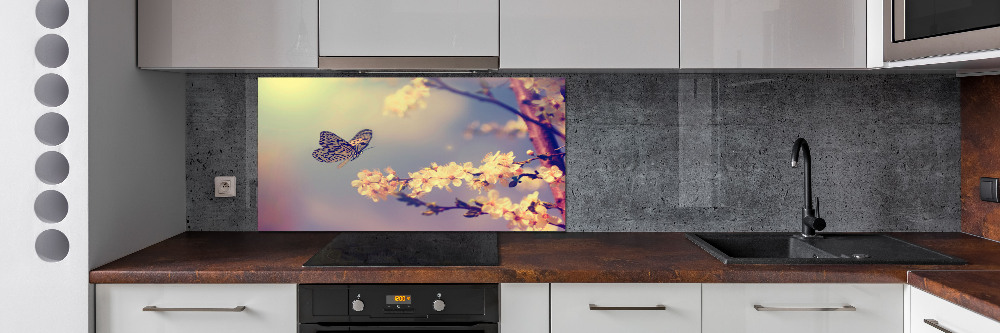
{"points": [[935, 324], [630, 308], [759, 307], [233, 309]]}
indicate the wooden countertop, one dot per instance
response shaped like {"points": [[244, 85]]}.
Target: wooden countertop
{"points": [[277, 257], [978, 291]]}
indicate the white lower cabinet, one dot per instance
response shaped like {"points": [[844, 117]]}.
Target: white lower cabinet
{"points": [[196, 308], [930, 314], [524, 308], [570, 308], [802, 308], [626, 307]]}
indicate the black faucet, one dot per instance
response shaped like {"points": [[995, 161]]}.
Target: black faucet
{"points": [[810, 222]]}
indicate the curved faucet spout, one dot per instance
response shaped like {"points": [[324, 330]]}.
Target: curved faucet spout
{"points": [[810, 222], [803, 146]]}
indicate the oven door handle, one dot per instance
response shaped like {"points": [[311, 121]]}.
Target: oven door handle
{"points": [[485, 328]]}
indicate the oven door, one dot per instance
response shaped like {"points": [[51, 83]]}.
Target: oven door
{"points": [[927, 28], [472, 328]]}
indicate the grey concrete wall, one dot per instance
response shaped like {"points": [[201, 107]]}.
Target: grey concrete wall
{"points": [[683, 152]]}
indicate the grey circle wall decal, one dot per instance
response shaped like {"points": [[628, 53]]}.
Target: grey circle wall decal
{"points": [[52, 13], [52, 167], [51, 129], [51, 90], [51, 51], [51, 206], [52, 245]]}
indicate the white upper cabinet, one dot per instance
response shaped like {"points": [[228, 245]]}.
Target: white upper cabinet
{"points": [[227, 34], [511, 34], [407, 28], [589, 34], [778, 33]]}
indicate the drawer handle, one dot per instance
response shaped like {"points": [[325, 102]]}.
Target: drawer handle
{"points": [[629, 308], [234, 309], [935, 324], [759, 307]]}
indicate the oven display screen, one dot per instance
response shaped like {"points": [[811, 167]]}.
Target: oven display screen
{"points": [[397, 299]]}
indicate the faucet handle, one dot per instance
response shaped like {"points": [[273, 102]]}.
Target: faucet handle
{"points": [[817, 206]]}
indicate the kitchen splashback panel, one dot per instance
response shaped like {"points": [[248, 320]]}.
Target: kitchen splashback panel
{"points": [[407, 154], [682, 152]]}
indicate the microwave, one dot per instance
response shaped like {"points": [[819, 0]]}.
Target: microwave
{"points": [[916, 29]]}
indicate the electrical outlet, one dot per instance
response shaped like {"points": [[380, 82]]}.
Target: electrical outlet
{"points": [[988, 189], [225, 186]]}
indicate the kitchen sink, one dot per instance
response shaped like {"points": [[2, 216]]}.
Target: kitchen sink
{"points": [[789, 248]]}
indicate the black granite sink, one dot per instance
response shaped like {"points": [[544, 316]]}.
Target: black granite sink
{"points": [[787, 249]]}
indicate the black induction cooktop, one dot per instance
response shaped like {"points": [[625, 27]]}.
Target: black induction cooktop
{"points": [[409, 249]]}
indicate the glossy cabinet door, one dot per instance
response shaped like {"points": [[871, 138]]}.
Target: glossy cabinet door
{"points": [[774, 34], [268, 308], [524, 308], [799, 308], [946, 315], [409, 28], [227, 34], [589, 34], [626, 307]]}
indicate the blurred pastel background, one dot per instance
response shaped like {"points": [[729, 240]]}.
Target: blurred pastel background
{"points": [[297, 193]]}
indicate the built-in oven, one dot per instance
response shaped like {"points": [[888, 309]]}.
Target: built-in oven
{"points": [[927, 28], [388, 308]]}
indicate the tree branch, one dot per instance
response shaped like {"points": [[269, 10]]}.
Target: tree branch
{"points": [[438, 83], [542, 139], [433, 209]]}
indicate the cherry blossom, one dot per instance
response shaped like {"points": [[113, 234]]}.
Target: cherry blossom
{"points": [[407, 98], [550, 174], [375, 185], [540, 102], [528, 215], [513, 129]]}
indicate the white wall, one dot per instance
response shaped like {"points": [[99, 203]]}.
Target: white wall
{"points": [[137, 185], [125, 126], [37, 295]]}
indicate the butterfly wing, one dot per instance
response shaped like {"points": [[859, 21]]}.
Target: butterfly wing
{"points": [[343, 154], [334, 149], [327, 140], [360, 141]]}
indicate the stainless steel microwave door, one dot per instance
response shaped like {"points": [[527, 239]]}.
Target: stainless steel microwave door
{"points": [[930, 18]]}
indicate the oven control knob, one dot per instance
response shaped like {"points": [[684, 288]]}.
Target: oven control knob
{"points": [[438, 305], [358, 305]]}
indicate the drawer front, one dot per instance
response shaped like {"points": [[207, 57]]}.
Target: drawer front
{"points": [[730, 308], [269, 308], [949, 316], [572, 312], [406, 28]]}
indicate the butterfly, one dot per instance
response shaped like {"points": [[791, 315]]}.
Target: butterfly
{"points": [[334, 149]]}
